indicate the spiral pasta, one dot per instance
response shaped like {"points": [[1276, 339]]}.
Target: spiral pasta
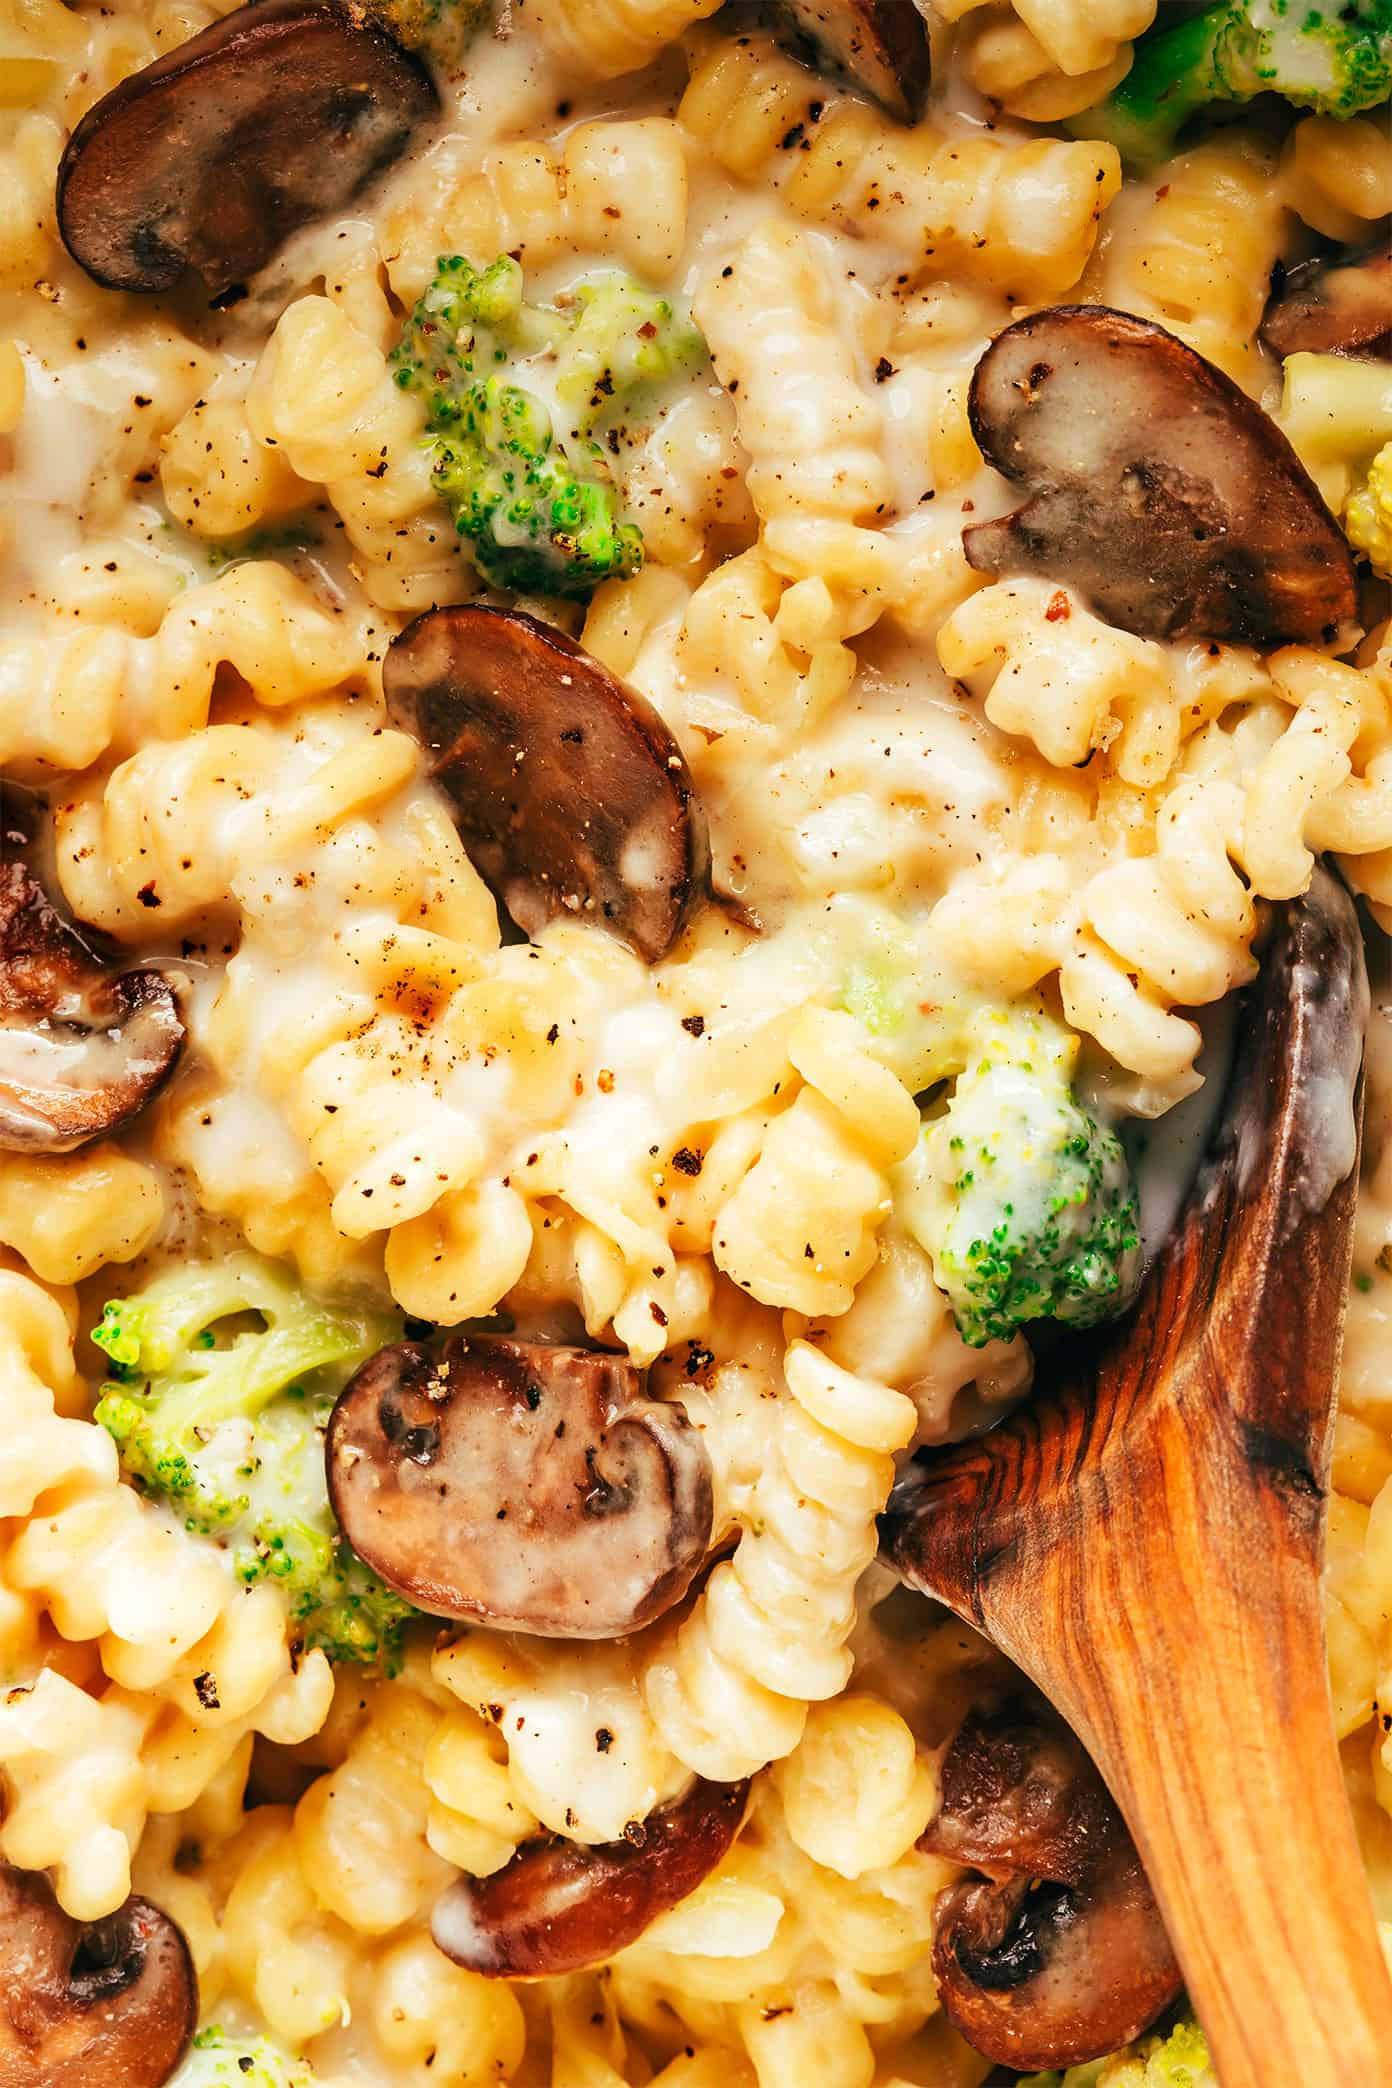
{"points": [[1079, 36], [787, 1964], [1045, 63], [615, 36], [729, 1686], [1064, 680], [1198, 251], [1020, 218], [323, 395], [811, 433], [196, 1662], [928, 796], [1337, 177], [583, 1755], [70, 1213], [100, 690], [1172, 925], [617, 190]]}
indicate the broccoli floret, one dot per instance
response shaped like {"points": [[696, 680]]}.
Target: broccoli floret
{"points": [[441, 28], [1024, 1200], [223, 1379], [1368, 516], [892, 981], [1178, 2061], [527, 469], [219, 2061], [1331, 55], [1337, 412]]}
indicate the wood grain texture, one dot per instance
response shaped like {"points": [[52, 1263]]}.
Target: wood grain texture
{"points": [[1144, 1540]]}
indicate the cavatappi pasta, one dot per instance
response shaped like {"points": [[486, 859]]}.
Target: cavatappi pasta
{"points": [[939, 799]]}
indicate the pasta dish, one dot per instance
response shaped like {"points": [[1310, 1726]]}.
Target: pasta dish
{"points": [[660, 664]]}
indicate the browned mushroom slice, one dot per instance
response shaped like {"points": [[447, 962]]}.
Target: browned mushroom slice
{"points": [[110, 2002], [521, 1485], [1157, 487], [1057, 1955], [1329, 306], [1019, 1797], [81, 1051], [882, 45], [213, 155], [1042, 1976], [559, 1906], [569, 791]]}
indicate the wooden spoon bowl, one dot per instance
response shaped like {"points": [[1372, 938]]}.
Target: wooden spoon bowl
{"points": [[1144, 1539]]}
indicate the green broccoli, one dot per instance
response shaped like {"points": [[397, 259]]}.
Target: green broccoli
{"points": [[223, 1379], [1178, 2061], [527, 472], [1331, 55], [1024, 1200], [440, 28], [1368, 517], [219, 2061]]}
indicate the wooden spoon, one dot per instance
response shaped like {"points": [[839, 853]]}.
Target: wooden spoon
{"points": [[1144, 1539]]}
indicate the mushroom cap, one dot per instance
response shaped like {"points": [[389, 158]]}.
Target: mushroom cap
{"points": [[107, 2004], [1339, 304], [81, 1052], [559, 1906], [209, 158], [570, 793], [1057, 1954], [881, 45], [1157, 487], [530, 1487], [1040, 1976]]}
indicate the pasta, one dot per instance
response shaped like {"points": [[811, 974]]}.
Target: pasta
{"points": [[163, 1616], [1021, 218], [1199, 252], [323, 395], [797, 392], [657, 341], [732, 1683], [70, 1214], [1048, 62], [1338, 177], [619, 189], [101, 689], [617, 36], [1078, 39]]}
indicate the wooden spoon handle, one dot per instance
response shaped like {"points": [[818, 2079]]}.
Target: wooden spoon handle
{"points": [[1209, 1717], [1144, 1540]]}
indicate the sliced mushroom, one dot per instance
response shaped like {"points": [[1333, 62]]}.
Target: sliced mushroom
{"points": [[569, 791], [110, 2002], [1338, 305], [559, 1906], [881, 45], [1157, 487], [1057, 1955], [512, 1483], [81, 1051], [208, 159]]}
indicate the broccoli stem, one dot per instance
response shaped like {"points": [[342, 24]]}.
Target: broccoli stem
{"points": [[1319, 54], [1174, 74]]}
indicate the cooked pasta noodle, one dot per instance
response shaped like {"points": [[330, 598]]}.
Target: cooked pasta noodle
{"points": [[667, 313]]}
